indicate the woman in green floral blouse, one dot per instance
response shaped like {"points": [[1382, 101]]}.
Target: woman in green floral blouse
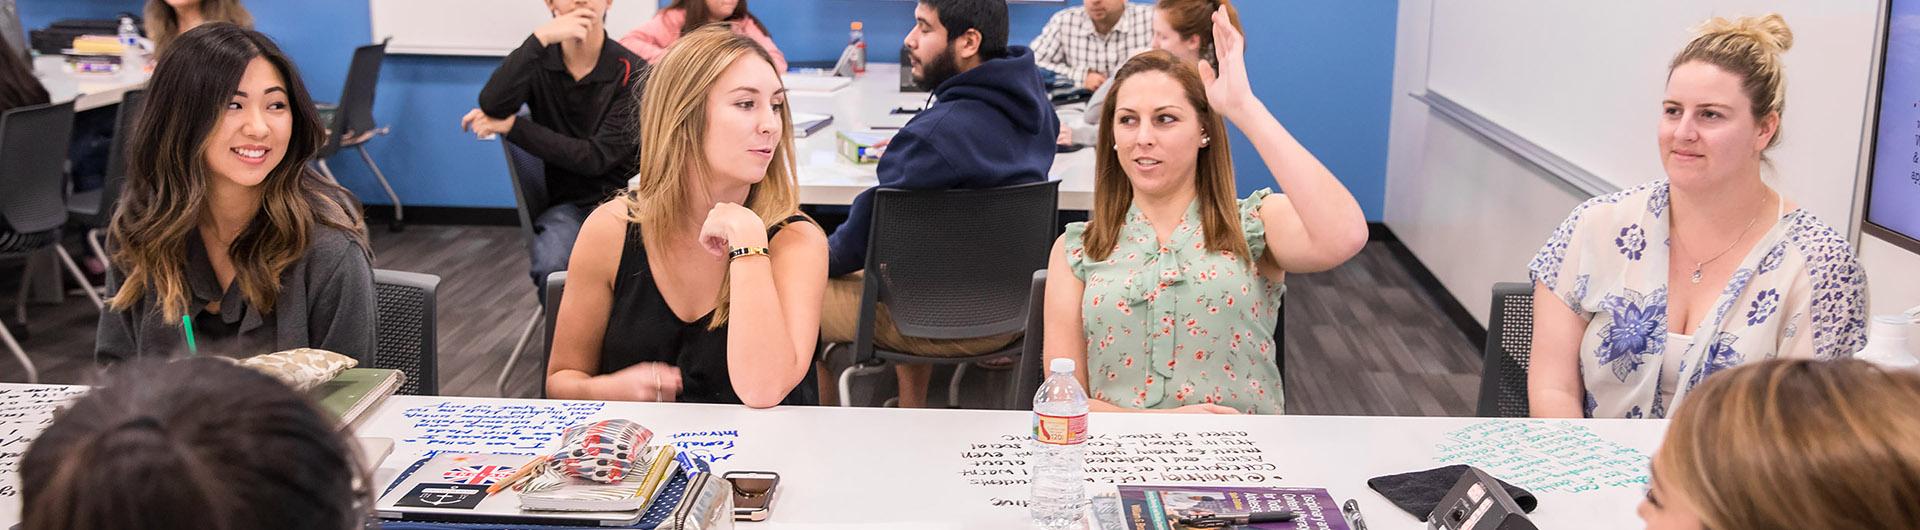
{"points": [[1167, 298]]}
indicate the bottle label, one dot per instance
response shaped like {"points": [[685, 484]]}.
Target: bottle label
{"points": [[1060, 430]]}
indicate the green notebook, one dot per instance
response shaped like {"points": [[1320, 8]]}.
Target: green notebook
{"points": [[355, 391]]}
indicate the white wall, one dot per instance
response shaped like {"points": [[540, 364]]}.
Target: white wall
{"points": [[1470, 212], [1584, 80], [1475, 215], [1893, 275]]}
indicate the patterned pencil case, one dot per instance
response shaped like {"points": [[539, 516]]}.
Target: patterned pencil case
{"points": [[603, 451], [301, 368]]}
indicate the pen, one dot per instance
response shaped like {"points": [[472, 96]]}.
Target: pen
{"points": [[186, 324], [1352, 512], [517, 474], [1235, 519]]}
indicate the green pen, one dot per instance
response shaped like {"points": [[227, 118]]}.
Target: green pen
{"points": [[186, 324]]}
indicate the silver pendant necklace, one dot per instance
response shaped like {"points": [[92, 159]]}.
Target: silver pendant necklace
{"points": [[1699, 266]]}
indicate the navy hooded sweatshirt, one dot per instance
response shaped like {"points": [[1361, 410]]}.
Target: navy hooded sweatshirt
{"points": [[990, 126]]}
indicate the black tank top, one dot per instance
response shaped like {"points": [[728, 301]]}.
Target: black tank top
{"points": [[642, 328]]}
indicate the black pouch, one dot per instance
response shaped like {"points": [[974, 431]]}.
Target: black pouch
{"points": [[1418, 492]]}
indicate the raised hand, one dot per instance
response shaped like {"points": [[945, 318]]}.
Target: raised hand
{"points": [[1227, 88]]}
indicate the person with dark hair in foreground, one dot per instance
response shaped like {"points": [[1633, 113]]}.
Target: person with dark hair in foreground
{"points": [[199, 443]]}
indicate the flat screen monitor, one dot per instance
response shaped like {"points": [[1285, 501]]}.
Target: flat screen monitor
{"points": [[1893, 185]]}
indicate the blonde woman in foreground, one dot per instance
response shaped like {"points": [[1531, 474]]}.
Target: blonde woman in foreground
{"points": [[1792, 444]]}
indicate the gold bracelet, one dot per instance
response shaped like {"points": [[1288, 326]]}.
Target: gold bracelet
{"points": [[741, 252]]}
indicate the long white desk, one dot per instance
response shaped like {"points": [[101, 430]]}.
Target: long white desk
{"points": [[88, 91], [866, 468], [827, 178]]}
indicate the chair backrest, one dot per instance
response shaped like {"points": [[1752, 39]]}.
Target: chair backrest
{"points": [[33, 146], [954, 264], [1033, 362], [1280, 344], [355, 113], [550, 300], [529, 175], [1503, 376], [123, 123], [407, 336]]}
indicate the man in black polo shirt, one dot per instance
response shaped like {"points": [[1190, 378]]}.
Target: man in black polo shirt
{"points": [[579, 85]]}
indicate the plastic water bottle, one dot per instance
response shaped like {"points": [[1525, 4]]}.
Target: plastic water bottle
{"points": [[1887, 341], [1059, 442], [130, 53], [857, 40]]}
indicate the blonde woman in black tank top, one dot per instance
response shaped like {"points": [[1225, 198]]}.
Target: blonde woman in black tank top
{"points": [[701, 283]]}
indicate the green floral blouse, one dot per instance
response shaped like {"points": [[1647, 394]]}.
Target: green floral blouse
{"points": [[1176, 324]]}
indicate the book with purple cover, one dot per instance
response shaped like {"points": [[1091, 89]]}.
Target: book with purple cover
{"points": [[1161, 507]]}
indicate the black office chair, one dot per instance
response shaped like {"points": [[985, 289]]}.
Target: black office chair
{"points": [[406, 322], [1503, 375], [1033, 370], [353, 125], [33, 201], [550, 300], [529, 176], [952, 264], [93, 209]]}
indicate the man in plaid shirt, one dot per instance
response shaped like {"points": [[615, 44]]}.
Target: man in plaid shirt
{"points": [[1087, 44]]}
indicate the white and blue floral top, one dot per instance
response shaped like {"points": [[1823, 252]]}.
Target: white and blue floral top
{"points": [[1798, 293]]}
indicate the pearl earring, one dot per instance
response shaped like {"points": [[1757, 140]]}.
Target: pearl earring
{"points": [[1204, 140]]}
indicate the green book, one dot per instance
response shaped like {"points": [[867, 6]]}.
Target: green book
{"points": [[355, 391]]}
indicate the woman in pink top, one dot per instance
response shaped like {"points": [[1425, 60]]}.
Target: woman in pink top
{"points": [[650, 40]]}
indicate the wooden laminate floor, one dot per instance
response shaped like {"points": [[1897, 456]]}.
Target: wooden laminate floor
{"points": [[1363, 339]]}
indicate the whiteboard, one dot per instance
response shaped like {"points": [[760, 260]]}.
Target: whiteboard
{"points": [[1584, 81], [479, 27]]}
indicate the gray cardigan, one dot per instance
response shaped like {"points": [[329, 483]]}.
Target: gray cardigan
{"points": [[326, 301]]}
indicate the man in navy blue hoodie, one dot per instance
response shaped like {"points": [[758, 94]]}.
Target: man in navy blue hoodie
{"points": [[991, 125]]}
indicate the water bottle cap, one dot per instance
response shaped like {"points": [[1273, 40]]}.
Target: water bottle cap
{"points": [[856, 25], [1061, 365]]}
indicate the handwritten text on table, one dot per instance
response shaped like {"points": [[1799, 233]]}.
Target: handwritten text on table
{"points": [[491, 428], [25, 411], [1209, 457], [1545, 456]]}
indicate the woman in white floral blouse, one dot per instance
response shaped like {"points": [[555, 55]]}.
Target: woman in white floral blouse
{"points": [[1642, 294]]}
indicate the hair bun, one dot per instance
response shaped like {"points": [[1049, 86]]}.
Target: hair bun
{"points": [[1769, 31]]}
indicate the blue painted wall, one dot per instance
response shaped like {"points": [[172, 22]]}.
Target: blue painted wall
{"points": [[1324, 68]]}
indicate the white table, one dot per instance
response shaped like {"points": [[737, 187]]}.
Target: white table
{"points": [[827, 178], [88, 91], [869, 468]]}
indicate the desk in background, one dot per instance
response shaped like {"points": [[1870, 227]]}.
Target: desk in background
{"points": [[88, 91], [872, 468], [826, 178]]}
